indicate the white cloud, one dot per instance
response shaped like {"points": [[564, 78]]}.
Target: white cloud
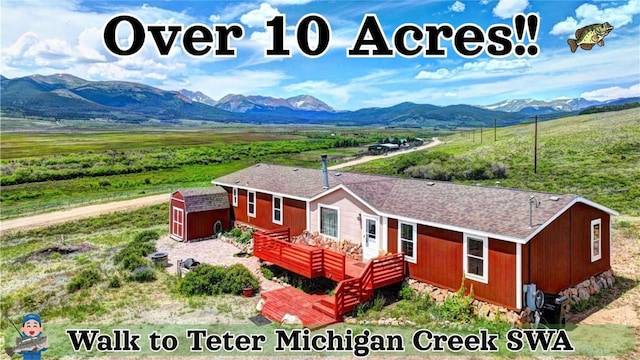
{"points": [[507, 8], [289, 2], [434, 75], [587, 14], [484, 2], [457, 7], [136, 68], [256, 18], [612, 93], [497, 66]]}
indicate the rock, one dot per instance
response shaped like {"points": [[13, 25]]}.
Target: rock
{"points": [[585, 284], [610, 281], [289, 319], [351, 321], [260, 305], [583, 294]]}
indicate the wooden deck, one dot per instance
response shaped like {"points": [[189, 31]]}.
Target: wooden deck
{"points": [[357, 280], [290, 300]]}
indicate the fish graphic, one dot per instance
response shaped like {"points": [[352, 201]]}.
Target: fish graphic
{"points": [[590, 35], [27, 344]]}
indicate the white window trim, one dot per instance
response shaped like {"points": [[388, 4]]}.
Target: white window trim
{"points": [[234, 196], [273, 210], [411, 259], [593, 223], [254, 203], [320, 206], [485, 258], [175, 223]]}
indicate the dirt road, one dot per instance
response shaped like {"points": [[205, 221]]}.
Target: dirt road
{"points": [[364, 159], [58, 217]]}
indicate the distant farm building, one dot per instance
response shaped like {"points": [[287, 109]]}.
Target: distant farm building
{"points": [[199, 213], [383, 148]]}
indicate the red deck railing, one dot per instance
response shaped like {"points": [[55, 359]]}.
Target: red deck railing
{"points": [[275, 247], [379, 272]]}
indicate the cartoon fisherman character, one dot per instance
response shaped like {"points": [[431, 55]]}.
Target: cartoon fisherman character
{"points": [[588, 36], [32, 343]]}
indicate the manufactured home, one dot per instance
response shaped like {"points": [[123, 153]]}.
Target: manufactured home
{"points": [[497, 239]]}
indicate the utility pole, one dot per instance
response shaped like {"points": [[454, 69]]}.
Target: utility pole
{"points": [[535, 148], [495, 134], [481, 129]]}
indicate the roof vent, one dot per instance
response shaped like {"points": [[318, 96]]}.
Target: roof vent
{"points": [[237, 182], [554, 198], [431, 183], [296, 169], [337, 174]]}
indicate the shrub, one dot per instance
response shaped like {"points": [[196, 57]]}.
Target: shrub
{"points": [[143, 274], [235, 232], [114, 282], [146, 236], [245, 237], [266, 272], [407, 293], [201, 280], [85, 279], [133, 261], [458, 307], [135, 248], [237, 277], [211, 280]]}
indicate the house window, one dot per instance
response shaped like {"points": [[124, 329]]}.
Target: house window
{"points": [[251, 203], [234, 196], [329, 221], [407, 240], [475, 258], [277, 210], [596, 240], [177, 225]]}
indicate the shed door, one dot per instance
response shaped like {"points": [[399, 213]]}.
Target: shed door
{"points": [[177, 224], [370, 237]]}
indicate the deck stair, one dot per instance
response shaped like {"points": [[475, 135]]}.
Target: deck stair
{"points": [[356, 281]]}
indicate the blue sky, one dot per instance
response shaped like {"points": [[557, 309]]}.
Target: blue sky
{"points": [[66, 36]]}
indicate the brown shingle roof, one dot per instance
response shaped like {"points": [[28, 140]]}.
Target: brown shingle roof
{"points": [[298, 182], [493, 210], [204, 199]]}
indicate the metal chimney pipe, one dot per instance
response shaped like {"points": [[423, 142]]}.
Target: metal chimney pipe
{"points": [[325, 172]]}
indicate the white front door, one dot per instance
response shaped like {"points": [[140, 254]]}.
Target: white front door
{"points": [[370, 237]]}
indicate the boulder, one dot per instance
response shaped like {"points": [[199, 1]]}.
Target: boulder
{"points": [[289, 319]]}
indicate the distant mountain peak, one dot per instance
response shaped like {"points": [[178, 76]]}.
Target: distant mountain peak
{"points": [[542, 106], [243, 104], [197, 96]]}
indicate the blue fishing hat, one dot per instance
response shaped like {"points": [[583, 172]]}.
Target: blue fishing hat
{"points": [[31, 316]]}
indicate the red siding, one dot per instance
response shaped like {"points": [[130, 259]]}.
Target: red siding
{"points": [[549, 261], [200, 224], [581, 266], [560, 255], [439, 262], [501, 288], [439, 257], [294, 212], [294, 215]]}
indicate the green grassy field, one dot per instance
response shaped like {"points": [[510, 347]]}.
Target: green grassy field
{"points": [[51, 168], [596, 156]]}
